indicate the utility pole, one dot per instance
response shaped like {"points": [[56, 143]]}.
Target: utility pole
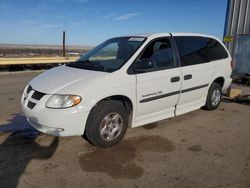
{"points": [[64, 52]]}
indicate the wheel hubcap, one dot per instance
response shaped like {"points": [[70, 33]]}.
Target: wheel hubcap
{"points": [[111, 126], [215, 99]]}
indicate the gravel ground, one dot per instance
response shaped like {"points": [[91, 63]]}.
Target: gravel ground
{"points": [[198, 149]]}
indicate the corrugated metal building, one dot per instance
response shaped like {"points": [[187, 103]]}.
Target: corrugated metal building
{"points": [[237, 34]]}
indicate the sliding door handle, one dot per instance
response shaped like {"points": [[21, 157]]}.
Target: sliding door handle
{"points": [[188, 77], [175, 79]]}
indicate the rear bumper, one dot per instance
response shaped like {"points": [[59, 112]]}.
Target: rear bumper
{"points": [[227, 84]]}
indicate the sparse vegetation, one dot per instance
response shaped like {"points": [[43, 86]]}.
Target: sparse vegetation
{"points": [[11, 50]]}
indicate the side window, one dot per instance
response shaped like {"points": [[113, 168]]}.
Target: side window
{"points": [[197, 50], [159, 53]]}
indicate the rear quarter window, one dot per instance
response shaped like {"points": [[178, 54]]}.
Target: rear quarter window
{"points": [[196, 50]]}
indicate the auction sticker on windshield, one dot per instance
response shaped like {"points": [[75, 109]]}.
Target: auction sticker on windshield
{"points": [[136, 39]]}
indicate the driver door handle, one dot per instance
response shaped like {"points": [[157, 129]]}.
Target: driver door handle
{"points": [[175, 79]]}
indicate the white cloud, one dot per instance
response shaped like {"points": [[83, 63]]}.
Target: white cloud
{"points": [[77, 24], [28, 25], [48, 26], [2, 5], [57, 1], [42, 7], [78, 1], [28, 22], [111, 15], [127, 16], [4, 25], [81, 1]]}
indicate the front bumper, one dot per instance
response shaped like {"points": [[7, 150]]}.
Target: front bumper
{"points": [[56, 122], [57, 125]]}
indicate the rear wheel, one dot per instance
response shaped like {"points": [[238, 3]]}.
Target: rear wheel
{"points": [[106, 124], [213, 96]]}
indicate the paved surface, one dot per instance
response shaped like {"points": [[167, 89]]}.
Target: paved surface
{"points": [[198, 149]]}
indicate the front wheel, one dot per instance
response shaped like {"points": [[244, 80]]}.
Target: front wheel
{"points": [[213, 97], [106, 124]]}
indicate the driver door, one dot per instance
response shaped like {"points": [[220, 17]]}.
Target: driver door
{"points": [[158, 82]]}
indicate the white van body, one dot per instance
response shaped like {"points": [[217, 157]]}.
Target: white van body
{"points": [[153, 95]]}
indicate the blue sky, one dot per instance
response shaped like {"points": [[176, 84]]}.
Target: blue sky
{"points": [[89, 22]]}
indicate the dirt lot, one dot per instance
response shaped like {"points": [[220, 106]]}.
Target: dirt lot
{"points": [[198, 149]]}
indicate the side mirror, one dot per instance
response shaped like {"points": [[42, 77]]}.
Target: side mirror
{"points": [[143, 65]]}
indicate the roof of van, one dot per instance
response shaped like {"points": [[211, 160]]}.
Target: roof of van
{"points": [[154, 35]]}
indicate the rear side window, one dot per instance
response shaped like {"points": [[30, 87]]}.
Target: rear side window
{"points": [[197, 50]]}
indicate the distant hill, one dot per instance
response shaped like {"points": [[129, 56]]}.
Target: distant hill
{"points": [[37, 46], [27, 50]]}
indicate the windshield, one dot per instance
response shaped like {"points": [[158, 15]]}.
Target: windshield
{"points": [[110, 55]]}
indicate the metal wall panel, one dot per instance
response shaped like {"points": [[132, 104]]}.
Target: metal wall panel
{"points": [[242, 55], [237, 19], [237, 23]]}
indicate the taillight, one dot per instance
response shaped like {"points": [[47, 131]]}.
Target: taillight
{"points": [[232, 64]]}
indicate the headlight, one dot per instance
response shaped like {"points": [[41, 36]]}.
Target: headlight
{"points": [[63, 101]]}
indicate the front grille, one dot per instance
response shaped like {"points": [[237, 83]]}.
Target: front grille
{"points": [[29, 89], [37, 95], [31, 105]]}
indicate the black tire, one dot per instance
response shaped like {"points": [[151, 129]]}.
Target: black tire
{"points": [[209, 103], [95, 121]]}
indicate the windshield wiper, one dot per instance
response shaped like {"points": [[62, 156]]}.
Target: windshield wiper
{"points": [[94, 64], [88, 65], [82, 61], [97, 65]]}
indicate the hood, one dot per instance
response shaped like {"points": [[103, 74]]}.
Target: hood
{"points": [[58, 78]]}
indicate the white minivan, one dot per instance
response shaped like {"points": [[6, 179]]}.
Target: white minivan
{"points": [[128, 81]]}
